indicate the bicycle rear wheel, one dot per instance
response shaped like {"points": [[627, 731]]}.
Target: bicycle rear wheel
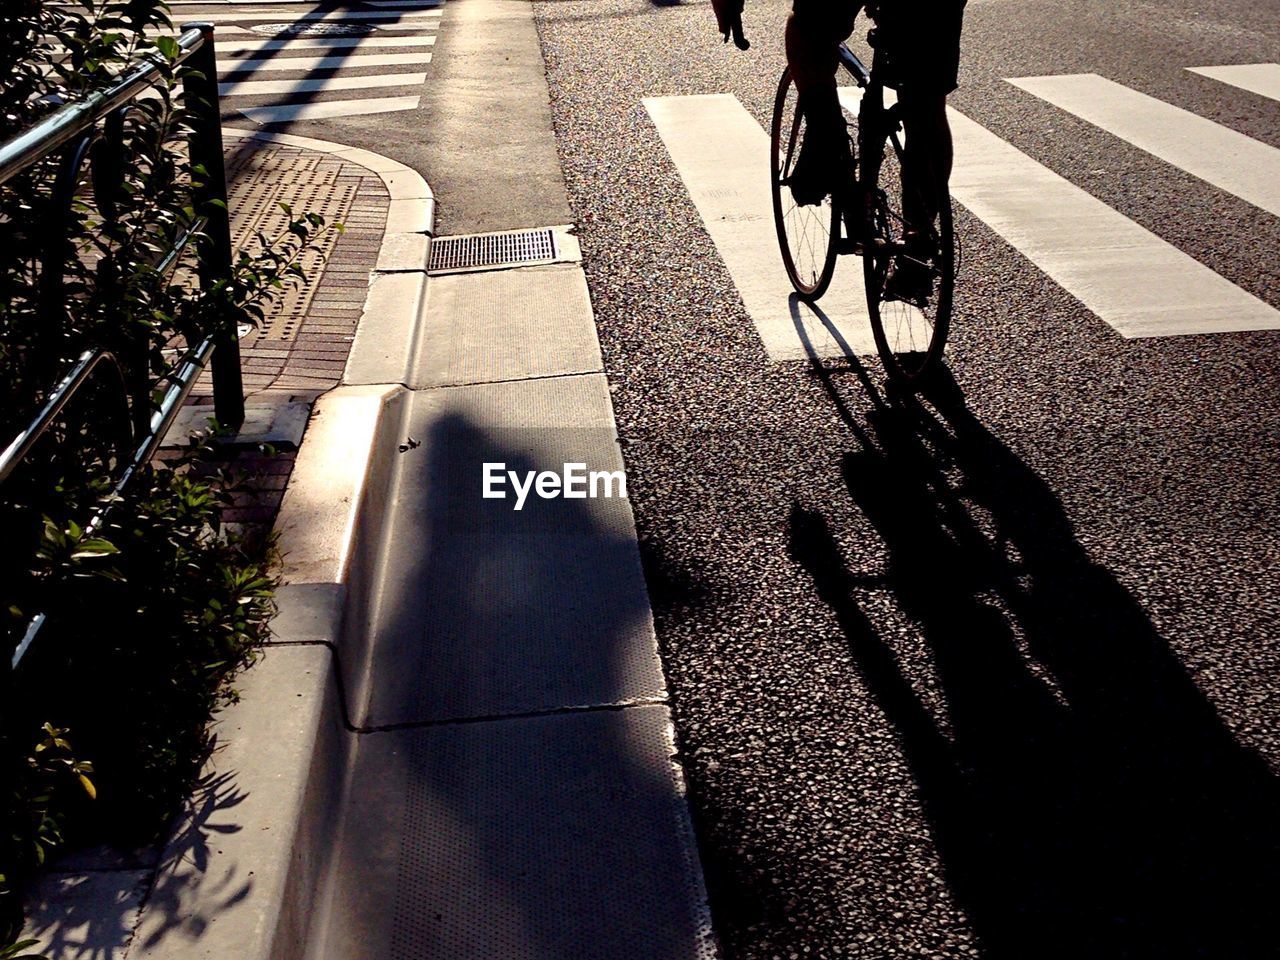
{"points": [[910, 281], [807, 235]]}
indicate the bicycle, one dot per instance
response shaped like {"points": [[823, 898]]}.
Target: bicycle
{"points": [[910, 333]]}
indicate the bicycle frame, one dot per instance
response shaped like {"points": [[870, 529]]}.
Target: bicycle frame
{"points": [[872, 224], [877, 124], [885, 124], [849, 60]]}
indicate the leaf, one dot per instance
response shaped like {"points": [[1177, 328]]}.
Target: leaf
{"points": [[89, 788], [96, 547], [11, 952]]}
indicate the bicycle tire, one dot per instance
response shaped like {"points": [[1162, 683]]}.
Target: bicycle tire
{"points": [[910, 336], [807, 236]]}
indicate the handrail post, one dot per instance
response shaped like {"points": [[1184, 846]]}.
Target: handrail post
{"points": [[201, 92]]}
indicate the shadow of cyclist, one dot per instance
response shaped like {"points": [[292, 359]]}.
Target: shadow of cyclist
{"points": [[1084, 797]]}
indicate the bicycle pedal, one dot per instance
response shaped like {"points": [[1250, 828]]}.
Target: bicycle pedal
{"points": [[849, 246]]}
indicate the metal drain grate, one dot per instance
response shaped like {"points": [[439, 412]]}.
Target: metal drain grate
{"points": [[512, 248]]}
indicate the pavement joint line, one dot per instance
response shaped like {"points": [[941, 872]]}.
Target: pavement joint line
{"points": [[529, 379], [359, 730], [520, 715]]}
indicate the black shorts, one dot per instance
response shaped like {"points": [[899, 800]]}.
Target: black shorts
{"points": [[919, 39]]}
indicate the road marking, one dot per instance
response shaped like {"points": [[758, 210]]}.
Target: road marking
{"points": [[227, 27], [339, 16], [286, 113], [258, 88], [1260, 78], [1136, 282], [324, 43], [353, 62], [722, 154], [1216, 154], [256, 3]]}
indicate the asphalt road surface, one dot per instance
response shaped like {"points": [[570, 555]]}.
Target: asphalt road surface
{"points": [[988, 674], [991, 674]]}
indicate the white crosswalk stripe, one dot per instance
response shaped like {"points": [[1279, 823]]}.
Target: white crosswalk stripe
{"points": [[316, 56], [286, 87], [184, 4], [727, 178], [1132, 279], [1260, 78], [401, 26], [325, 110], [324, 43], [345, 16], [1216, 154], [320, 63], [1139, 284], [354, 61]]}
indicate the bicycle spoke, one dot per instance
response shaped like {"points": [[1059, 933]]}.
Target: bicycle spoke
{"points": [[909, 274], [806, 234]]}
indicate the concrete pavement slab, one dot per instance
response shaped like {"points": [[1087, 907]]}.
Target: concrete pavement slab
{"points": [[561, 836], [484, 609], [89, 913], [507, 325]]}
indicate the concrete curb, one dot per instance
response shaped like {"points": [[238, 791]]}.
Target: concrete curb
{"points": [[413, 205], [286, 743], [388, 328], [236, 875]]}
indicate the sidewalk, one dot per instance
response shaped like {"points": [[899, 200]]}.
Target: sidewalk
{"points": [[460, 743], [302, 347], [88, 903]]}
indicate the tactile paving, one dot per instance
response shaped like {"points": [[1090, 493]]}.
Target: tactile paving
{"points": [[258, 183]]}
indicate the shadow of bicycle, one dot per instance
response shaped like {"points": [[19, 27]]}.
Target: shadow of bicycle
{"points": [[1084, 796]]}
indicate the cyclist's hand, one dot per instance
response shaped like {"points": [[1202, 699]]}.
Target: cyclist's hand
{"points": [[729, 21]]}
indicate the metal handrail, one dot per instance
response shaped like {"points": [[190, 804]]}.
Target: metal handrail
{"points": [[144, 435], [74, 119], [22, 444]]}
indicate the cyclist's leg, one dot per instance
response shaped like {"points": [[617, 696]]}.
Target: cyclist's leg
{"points": [[930, 65], [814, 32], [815, 29], [927, 156]]}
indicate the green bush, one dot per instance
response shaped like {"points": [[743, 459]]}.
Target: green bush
{"points": [[148, 614], [147, 621]]}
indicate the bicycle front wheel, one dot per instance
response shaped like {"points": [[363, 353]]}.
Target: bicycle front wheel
{"points": [[807, 234], [908, 266]]}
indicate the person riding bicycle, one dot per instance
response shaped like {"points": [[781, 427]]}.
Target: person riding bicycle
{"points": [[917, 46]]}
